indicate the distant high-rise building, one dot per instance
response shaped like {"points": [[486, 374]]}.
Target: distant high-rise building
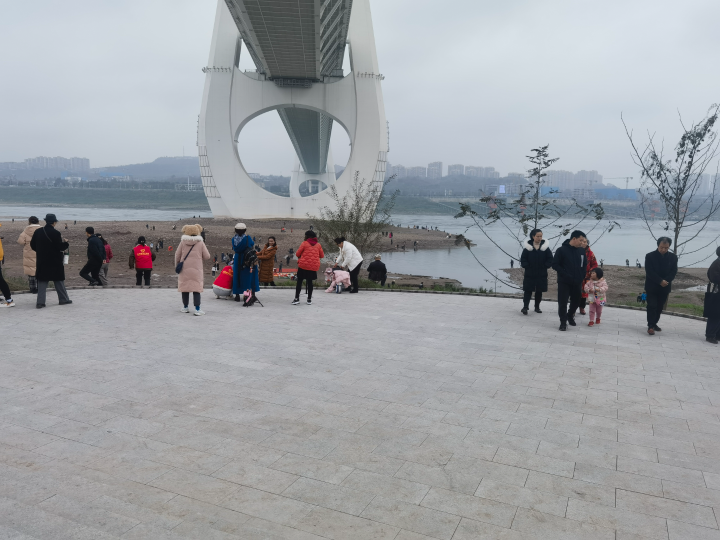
{"points": [[515, 175], [399, 171], [587, 179], [560, 180], [417, 172], [434, 169], [456, 170], [490, 172], [72, 164], [472, 170]]}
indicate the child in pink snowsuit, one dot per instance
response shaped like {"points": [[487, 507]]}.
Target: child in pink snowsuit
{"points": [[336, 277], [596, 288]]}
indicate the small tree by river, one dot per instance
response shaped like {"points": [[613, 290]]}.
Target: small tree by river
{"points": [[672, 194]]}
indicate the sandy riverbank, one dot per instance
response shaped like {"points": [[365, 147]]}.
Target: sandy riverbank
{"points": [[122, 236]]}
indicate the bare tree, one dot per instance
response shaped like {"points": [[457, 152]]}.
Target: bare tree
{"points": [[533, 209], [673, 186], [361, 215]]}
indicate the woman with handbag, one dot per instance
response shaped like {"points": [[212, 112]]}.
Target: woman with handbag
{"points": [[712, 302], [189, 257], [29, 257]]}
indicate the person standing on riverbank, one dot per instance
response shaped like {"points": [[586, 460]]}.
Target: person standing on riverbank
{"points": [[244, 278], [95, 255], [106, 263], [712, 328], [142, 259], [267, 262], [191, 252], [660, 271], [49, 246], [536, 258], [591, 265], [4, 287], [309, 255], [29, 256], [350, 258], [570, 263]]}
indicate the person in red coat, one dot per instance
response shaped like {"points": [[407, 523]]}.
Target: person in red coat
{"points": [[142, 258], [222, 286], [309, 255]]}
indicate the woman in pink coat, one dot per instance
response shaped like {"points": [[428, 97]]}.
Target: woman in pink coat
{"points": [[191, 252]]}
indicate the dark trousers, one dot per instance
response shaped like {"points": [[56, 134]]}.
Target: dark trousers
{"points": [[4, 287], [91, 268], [141, 273], [583, 302], [382, 280], [712, 329], [528, 294], [60, 289], [354, 273], [186, 298], [298, 288], [656, 299], [571, 291]]}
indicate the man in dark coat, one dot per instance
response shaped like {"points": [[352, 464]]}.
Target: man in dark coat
{"points": [[660, 270], [570, 263], [49, 246], [536, 258], [712, 329], [96, 255], [377, 271]]}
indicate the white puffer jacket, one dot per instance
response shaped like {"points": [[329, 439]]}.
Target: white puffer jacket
{"points": [[349, 256]]}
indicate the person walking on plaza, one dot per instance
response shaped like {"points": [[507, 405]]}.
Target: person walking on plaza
{"points": [[536, 258], [350, 258], [191, 252], [309, 255], [245, 278], [106, 263], [591, 265], [377, 271], [96, 256], [29, 257], [49, 247], [267, 261], [570, 263], [660, 271], [142, 258], [596, 288], [712, 312], [4, 287]]}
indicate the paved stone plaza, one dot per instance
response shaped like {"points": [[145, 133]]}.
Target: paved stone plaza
{"points": [[370, 416]]}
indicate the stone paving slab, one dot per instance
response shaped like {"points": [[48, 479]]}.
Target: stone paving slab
{"points": [[372, 416]]}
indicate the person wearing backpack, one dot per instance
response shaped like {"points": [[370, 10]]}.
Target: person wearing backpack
{"points": [[245, 276], [191, 253]]}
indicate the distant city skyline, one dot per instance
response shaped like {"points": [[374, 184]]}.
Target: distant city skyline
{"points": [[44, 163]]}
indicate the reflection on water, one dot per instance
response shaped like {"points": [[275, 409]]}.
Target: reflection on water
{"points": [[98, 214]]}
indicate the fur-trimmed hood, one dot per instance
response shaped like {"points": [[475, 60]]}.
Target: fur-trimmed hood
{"points": [[544, 244], [187, 238]]}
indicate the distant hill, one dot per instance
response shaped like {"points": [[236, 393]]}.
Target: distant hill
{"points": [[160, 169]]}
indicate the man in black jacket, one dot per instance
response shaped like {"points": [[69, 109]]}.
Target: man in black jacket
{"points": [[570, 263], [712, 329], [660, 270], [377, 271], [96, 255]]}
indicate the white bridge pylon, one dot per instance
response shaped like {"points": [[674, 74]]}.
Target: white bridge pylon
{"points": [[232, 98]]}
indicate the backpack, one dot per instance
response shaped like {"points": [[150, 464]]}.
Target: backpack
{"points": [[249, 258]]}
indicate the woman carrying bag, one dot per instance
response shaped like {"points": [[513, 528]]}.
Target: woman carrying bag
{"points": [[191, 253]]}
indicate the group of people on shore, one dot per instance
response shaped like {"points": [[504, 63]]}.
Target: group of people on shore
{"points": [[581, 281]]}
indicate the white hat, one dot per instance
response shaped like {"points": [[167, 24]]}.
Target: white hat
{"points": [[240, 226]]}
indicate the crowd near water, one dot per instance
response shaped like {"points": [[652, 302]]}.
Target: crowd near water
{"points": [[45, 255]]}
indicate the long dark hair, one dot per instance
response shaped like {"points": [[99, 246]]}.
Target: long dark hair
{"points": [[267, 244], [100, 236], [33, 220]]}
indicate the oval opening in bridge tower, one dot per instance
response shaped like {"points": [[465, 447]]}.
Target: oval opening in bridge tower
{"points": [[294, 152]]}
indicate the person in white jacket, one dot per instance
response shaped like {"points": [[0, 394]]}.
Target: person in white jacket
{"points": [[351, 259]]}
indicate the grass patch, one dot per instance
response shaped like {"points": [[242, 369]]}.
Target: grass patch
{"points": [[17, 283], [690, 309]]}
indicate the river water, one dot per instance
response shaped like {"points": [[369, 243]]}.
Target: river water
{"points": [[631, 241]]}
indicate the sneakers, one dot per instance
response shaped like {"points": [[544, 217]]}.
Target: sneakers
{"points": [[563, 327], [11, 303], [571, 322], [296, 302], [524, 311], [184, 310], [591, 323], [198, 312], [309, 302], [597, 321]]}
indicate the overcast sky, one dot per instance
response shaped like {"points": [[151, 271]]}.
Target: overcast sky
{"points": [[478, 82]]}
